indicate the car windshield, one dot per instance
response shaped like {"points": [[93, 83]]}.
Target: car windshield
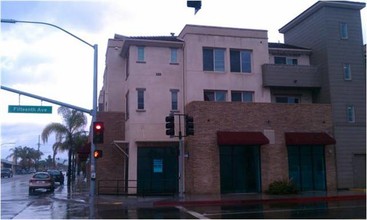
{"points": [[54, 172], [41, 176]]}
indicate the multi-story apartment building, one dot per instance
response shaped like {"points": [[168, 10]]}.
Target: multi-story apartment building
{"points": [[238, 88]]}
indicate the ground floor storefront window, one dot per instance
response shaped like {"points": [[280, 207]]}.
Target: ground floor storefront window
{"points": [[157, 170], [240, 169], [307, 166]]}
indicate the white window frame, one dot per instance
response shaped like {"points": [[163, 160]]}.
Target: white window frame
{"points": [[241, 52], [174, 55], [216, 95], [174, 99], [219, 65], [141, 54], [243, 96], [140, 98]]}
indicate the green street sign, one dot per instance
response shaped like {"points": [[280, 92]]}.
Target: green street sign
{"points": [[29, 109]]}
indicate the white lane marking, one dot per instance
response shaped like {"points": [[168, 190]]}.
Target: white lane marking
{"points": [[193, 213]]}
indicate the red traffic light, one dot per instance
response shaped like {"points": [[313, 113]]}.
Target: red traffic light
{"points": [[98, 130], [97, 153], [98, 126]]}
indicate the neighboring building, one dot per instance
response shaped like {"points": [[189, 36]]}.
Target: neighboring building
{"points": [[235, 85], [333, 31]]}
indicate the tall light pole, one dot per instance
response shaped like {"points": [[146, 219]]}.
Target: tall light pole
{"points": [[95, 75]]}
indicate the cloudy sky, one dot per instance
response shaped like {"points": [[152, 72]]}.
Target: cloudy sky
{"points": [[45, 61]]}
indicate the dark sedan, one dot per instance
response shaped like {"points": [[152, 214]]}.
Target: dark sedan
{"points": [[6, 172], [57, 175]]}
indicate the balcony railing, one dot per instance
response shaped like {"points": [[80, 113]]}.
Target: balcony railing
{"points": [[275, 75]]}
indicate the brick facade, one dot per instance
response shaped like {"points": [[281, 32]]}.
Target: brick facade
{"points": [[202, 173], [113, 159]]}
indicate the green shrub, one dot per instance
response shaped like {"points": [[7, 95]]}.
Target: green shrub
{"points": [[282, 187]]}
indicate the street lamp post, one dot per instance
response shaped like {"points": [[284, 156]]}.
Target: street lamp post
{"points": [[95, 75]]}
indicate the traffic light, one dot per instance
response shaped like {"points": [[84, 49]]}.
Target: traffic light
{"points": [[170, 125], [98, 130], [189, 125], [97, 153], [194, 4]]}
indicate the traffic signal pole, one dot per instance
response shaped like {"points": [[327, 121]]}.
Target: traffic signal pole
{"points": [[189, 130]]}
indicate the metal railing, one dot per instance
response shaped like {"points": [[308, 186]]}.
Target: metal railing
{"points": [[115, 187], [130, 188]]}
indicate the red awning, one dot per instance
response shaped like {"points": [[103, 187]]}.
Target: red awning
{"points": [[312, 138], [241, 138]]}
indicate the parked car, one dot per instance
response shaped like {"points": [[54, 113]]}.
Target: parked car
{"points": [[57, 175], [41, 180], [6, 172]]}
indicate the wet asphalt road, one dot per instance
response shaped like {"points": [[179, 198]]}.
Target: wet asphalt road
{"points": [[16, 203]]}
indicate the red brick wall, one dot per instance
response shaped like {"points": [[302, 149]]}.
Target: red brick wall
{"points": [[111, 165], [202, 173]]}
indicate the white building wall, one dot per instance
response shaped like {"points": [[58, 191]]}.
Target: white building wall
{"points": [[114, 78], [157, 77], [196, 80]]}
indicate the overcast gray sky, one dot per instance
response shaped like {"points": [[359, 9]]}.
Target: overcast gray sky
{"points": [[45, 61]]}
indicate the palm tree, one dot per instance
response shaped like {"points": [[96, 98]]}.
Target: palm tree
{"points": [[28, 156], [16, 152], [73, 123]]}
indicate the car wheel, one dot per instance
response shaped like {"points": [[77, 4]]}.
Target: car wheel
{"points": [[30, 191], [52, 189]]}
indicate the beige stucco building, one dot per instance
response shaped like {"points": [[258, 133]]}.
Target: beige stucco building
{"points": [[147, 78], [256, 109]]}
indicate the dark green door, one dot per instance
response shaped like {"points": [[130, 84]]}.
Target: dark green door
{"points": [[307, 167], [240, 169], [157, 170]]}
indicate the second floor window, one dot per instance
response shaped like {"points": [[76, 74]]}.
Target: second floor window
{"points": [[213, 59], [140, 97], [240, 61], [215, 96], [141, 55], [242, 96], [174, 99], [287, 99], [285, 60]]}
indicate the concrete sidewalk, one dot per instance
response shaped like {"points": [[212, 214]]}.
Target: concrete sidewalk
{"points": [[228, 199], [81, 191], [256, 198]]}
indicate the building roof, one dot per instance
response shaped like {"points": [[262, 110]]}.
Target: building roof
{"points": [[150, 38], [285, 46], [287, 49], [157, 41], [318, 5]]}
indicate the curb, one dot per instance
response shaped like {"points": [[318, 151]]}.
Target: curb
{"points": [[258, 201]]}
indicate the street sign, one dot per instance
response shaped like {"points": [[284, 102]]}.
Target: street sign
{"points": [[29, 109]]}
